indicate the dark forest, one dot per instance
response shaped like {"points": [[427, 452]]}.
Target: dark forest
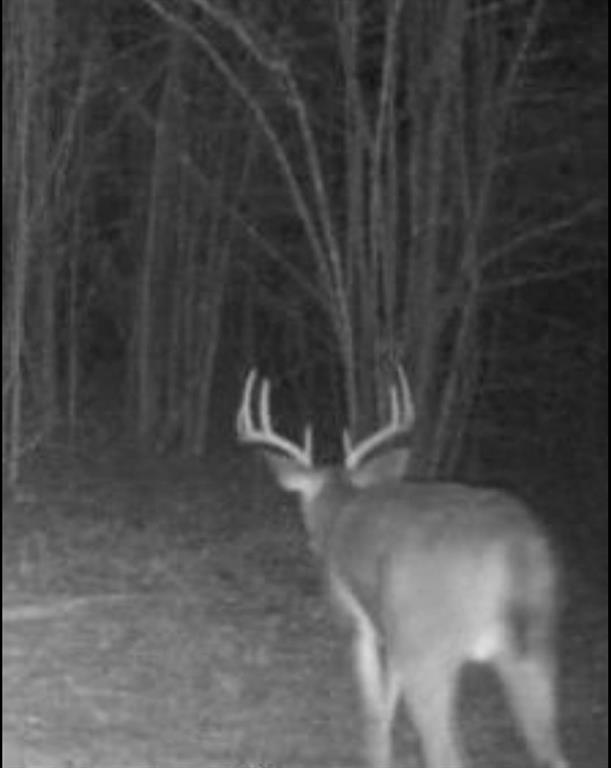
{"points": [[353, 199]]}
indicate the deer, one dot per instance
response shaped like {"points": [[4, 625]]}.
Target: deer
{"points": [[431, 575]]}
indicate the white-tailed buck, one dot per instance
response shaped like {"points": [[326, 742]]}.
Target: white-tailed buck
{"points": [[432, 575]]}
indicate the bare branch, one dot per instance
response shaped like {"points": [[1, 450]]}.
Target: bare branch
{"points": [[295, 188], [545, 229]]}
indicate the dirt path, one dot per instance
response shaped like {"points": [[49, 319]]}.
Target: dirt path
{"points": [[159, 624]]}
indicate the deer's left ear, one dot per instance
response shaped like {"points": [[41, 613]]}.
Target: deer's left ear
{"points": [[294, 477], [386, 467], [286, 470]]}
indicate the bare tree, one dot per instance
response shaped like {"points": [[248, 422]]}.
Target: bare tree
{"points": [[400, 236], [29, 387]]}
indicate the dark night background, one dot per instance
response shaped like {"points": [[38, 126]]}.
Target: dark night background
{"points": [[161, 607]]}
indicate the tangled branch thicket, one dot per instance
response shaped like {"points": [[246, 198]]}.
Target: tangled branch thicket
{"points": [[329, 188]]}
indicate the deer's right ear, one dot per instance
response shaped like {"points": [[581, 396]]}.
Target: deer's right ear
{"points": [[389, 466]]}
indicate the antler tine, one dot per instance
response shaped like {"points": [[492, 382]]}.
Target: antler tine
{"points": [[244, 422], [401, 419], [346, 443], [394, 420], [395, 407], [264, 434], [308, 441], [407, 402], [264, 415]]}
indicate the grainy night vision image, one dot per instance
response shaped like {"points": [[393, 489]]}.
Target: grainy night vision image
{"points": [[304, 390]]}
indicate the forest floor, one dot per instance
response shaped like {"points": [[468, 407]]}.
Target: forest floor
{"points": [[158, 614]]}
